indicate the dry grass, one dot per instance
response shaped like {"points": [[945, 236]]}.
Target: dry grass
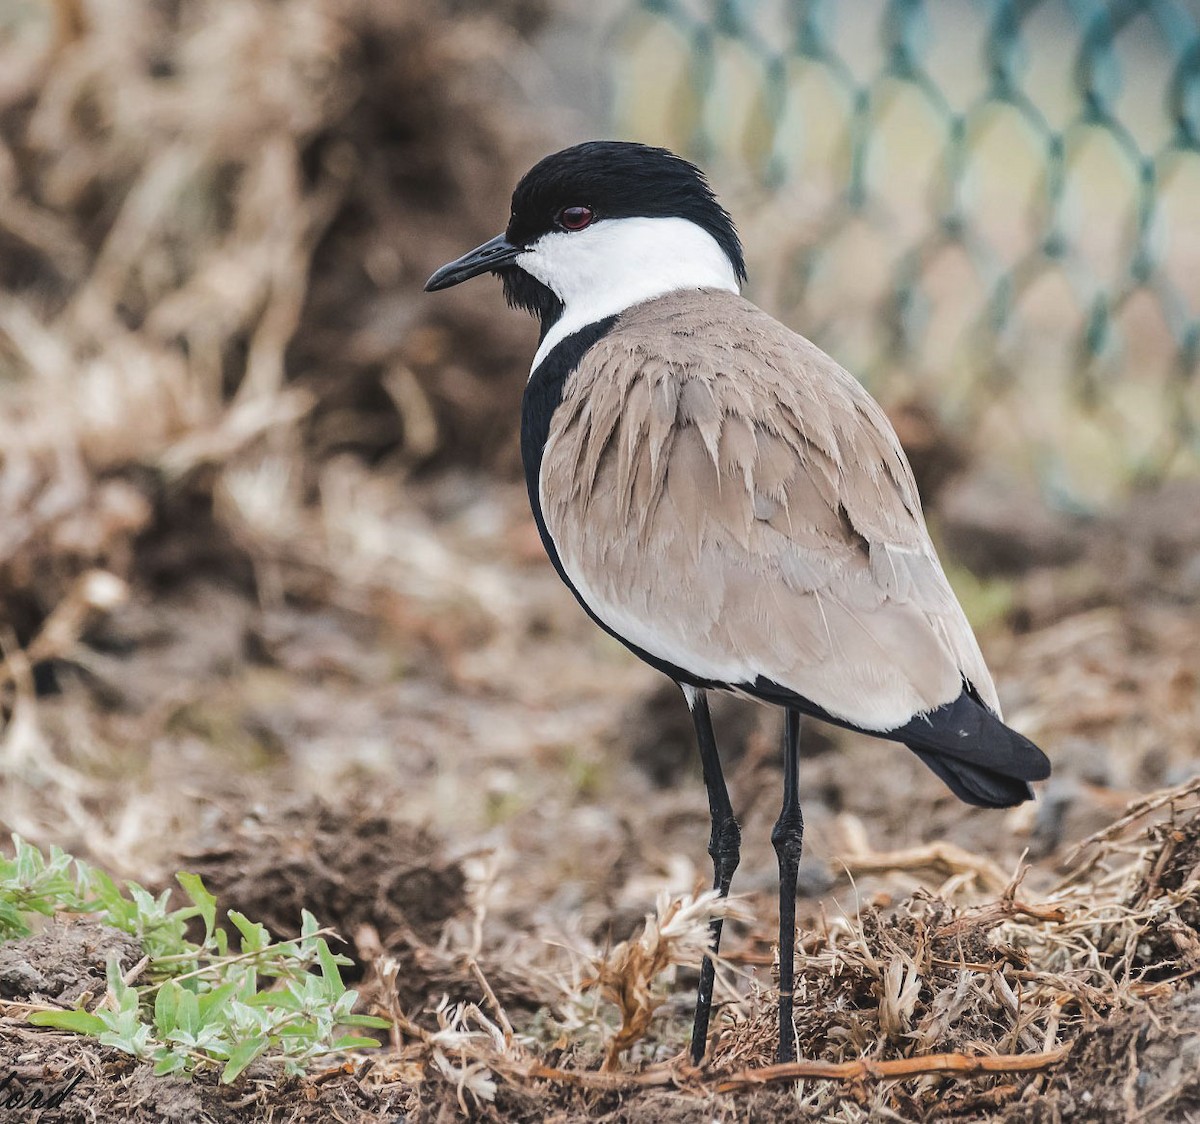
{"points": [[213, 222], [631, 975], [896, 1007], [201, 284]]}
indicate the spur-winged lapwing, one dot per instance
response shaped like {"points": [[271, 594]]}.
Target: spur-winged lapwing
{"points": [[726, 500]]}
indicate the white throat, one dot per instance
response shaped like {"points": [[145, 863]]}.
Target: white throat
{"points": [[617, 263]]}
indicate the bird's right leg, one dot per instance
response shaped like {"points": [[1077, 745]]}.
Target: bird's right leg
{"points": [[724, 845], [788, 839]]}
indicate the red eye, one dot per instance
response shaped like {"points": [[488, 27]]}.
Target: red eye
{"points": [[575, 218]]}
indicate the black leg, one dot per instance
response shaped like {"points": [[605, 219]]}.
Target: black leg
{"points": [[723, 845], [788, 838]]}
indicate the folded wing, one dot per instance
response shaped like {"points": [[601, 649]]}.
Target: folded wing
{"points": [[726, 497]]}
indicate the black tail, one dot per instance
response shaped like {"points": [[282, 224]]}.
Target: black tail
{"points": [[981, 760]]}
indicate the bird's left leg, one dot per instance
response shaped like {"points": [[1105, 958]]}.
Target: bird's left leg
{"points": [[788, 839]]}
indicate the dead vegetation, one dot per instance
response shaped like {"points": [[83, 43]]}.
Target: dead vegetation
{"points": [[1055, 1001], [213, 220], [1013, 1008]]}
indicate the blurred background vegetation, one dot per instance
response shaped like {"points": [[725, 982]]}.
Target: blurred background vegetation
{"points": [[216, 215]]}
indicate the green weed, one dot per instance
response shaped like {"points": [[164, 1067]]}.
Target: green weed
{"points": [[189, 1005]]}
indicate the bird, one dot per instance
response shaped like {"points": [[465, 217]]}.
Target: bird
{"points": [[727, 501]]}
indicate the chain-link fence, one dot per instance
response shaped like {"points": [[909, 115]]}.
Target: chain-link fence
{"points": [[991, 207]]}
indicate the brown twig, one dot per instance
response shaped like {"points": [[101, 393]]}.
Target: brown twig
{"points": [[988, 916], [864, 1069], [494, 1003], [945, 858], [1135, 812], [658, 1075]]}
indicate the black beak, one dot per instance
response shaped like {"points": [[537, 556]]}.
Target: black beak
{"points": [[491, 255]]}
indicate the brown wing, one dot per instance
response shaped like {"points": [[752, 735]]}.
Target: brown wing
{"points": [[726, 497]]}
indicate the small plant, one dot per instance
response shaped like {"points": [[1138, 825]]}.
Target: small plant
{"points": [[201, 1004], [631, 975]]}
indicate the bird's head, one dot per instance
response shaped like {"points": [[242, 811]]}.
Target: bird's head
{"points": [[601, 226]]}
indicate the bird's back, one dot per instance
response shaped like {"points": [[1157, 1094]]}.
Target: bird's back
{"points": [[724, 496]]}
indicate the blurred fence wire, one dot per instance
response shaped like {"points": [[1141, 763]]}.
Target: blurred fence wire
{"points": [[990, 207]]}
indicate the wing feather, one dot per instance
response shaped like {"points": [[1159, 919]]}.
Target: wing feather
{"points": [[728, 498]]}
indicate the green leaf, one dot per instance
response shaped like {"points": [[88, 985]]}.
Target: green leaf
{"points": [[282, 1000], [205, 902], [170, 1062], [131, 1036], [242, 1055], [144, 900], [81, 1022], [119, 912], [308, 924], [366, 1020], [350, 1042], [247, 989], [12, 924], [211, 1004], [166, 1005], [307, 1029], [286, 960], [187, 1011], [254, 936], [329, 970], [29, 861]]}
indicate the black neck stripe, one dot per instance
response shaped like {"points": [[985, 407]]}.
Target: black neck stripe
{"points": [[543, 395]]}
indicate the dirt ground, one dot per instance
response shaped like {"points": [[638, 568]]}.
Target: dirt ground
{"points": [[471, 784]]}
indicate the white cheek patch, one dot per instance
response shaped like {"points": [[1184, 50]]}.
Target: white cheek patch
{"points": [[616, 263]]}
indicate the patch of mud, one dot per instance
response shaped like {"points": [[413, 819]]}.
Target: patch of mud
{"points": [[386, 886], [63, 962], [349, 866], [104, 1086], [1139, 1064]]}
